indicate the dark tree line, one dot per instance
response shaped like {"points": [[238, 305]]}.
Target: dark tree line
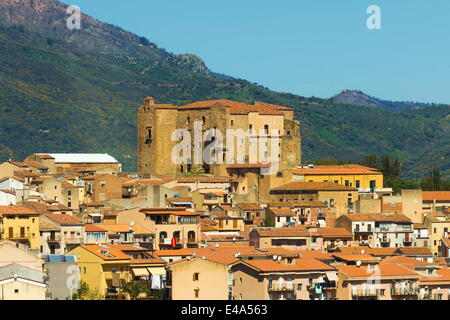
{"points": [[392, 171]]}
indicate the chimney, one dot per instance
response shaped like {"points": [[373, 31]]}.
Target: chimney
{"points": [[149, 101]]}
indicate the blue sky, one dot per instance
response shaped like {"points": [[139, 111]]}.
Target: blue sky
{"points": [[306, 47]]}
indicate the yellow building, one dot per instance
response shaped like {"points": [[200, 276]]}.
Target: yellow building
{"points": [[350, 175], [339, 199], [103, 269], [438, 224], [108, 268], [20, 224]]}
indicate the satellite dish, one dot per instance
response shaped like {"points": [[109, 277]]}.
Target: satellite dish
{"points": [[217, 245], [363, 251], [279, 258], [358, 263], [274, 257], [132, 223]]}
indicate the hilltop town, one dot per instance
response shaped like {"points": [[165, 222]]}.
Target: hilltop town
{"points": [[253, 223]]}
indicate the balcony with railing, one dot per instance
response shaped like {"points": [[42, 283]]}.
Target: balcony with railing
{"points": [[404, 291], [281, 287], [18, 236], [54, 238], [425, 296], [72, 240], [366, 293]]}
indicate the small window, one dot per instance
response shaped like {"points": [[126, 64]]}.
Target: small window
{"points": [[196, 293], [188, 121], [195, 276], [16, 290]]}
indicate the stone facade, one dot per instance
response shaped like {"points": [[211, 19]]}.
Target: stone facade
{"points": [[157, 122]]}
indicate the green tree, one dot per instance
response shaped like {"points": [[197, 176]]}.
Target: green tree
{"points": [[134, 289]]}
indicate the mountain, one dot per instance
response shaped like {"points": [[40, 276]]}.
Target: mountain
{"points": [[77, 91], [356, 97]]}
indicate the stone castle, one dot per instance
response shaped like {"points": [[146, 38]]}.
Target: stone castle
{"points": [[157, 122]]}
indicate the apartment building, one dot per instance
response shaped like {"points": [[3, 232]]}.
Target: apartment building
{"points": [[350, 175], [438, 224], [173, 227], [20, 224], [378, 282], [379, 230], [339, 199], [283, 279]]}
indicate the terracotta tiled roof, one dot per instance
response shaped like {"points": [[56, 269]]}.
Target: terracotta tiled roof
{"points": [[238, 107], [17, 210], [203, 179], [355, 257], [280, 205], [47, 226], [313, 186], [147, 182], [19, 164], [405, 261], [307, 204], [415, 251], [420, 226], [386, 270], [336, 170], [25, 174], [377, 252], [333, 233], [93, 228], [39, 207], [314, 254], [67, 185], [226, 207], [65, 219], [112, 254], [94, 204], [58, 207], [378, 217], [436, 195], [443, 278], [36, 165], [249, 206], [296, 231], [298, 265], [282, 212]]}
